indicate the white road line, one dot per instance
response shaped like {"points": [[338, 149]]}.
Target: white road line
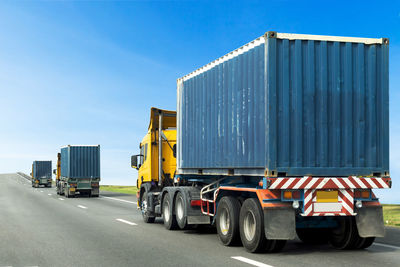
{"points": [[41, 191], [125, 221], [49, 194], [60, 198], [82, 207], [122, 200], [385, 245], [252, 262]]}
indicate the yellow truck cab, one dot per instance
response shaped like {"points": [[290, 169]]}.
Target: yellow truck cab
{"points": [[147, 163]]}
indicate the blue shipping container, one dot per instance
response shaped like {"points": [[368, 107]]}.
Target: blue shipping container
{"points": [[288, 105], [80, 161], [41, 169]]}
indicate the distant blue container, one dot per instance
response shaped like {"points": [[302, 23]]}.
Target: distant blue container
{"points": [[288, 105], [80, 161], [41, 169]]}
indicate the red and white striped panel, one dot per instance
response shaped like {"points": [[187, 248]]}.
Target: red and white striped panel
{"points": [[308, 182], [345, 199]]}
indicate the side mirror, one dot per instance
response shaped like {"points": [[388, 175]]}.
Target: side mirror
{"points": [[174, 151], [134, 163], [54, 171]]}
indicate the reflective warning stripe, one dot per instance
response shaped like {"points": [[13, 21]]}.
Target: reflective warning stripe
{"points": [[308, 182]]}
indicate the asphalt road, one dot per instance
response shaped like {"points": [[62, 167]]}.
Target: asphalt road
{"points": [[40, 228]]}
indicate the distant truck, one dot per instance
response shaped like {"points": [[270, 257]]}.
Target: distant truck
{"points": [[78, 170], [41, 173], [285, 135]]}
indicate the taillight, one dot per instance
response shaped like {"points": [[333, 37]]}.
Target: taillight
{"points": [[296, 195], [362, 194], [291, 195], [287, 195]]}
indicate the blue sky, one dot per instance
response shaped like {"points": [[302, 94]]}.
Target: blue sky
{"points": [[87, 72]]}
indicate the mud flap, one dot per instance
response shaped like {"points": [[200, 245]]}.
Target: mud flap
{"points": [[95, 191], [369, 221], [280, 223]]}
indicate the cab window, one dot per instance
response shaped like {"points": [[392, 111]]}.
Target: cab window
{"points": [[140, 157], [145, 152]]}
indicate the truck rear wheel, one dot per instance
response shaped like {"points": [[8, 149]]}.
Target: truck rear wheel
{"points": [[313, 235], [227, 221], [60, 190], [252, 234], [346, 236], [168, 217], [180, 211], [143, 208], [365, 242]]}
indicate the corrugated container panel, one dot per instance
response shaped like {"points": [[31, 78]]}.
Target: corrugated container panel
{"points": [[80, 161], [290, 104], [41, 169]]}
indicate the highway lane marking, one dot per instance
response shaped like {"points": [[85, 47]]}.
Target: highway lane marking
{"points": [[41, 191], [49, 194], [82, 207], [385, 245], [251, 262], [60, 198], [125, 221], [122, 200]]}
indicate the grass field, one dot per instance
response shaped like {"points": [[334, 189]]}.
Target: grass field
{"points": [[391, 215], [119, 188]]}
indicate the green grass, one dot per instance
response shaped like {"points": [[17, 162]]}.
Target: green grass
{"points": [[391, 214], [119, 188]]}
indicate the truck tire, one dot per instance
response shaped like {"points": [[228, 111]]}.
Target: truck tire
{"points": [[61, 190], [313, 235], [143, 209], [168, 217], [365, 242], [251, 225], [180, 211], [66, 192], [346, 236], [227, 221]]}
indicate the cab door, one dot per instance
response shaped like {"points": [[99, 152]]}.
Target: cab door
{"points": [[144, 162]]}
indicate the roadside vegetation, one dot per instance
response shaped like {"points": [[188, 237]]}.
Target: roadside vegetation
{"points": [[119, 188], [391, 214]]}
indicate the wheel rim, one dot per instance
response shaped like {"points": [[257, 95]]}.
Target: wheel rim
{"points": [[166, 210], [179, 208], [144, 207], [249, 226], [224, 221]]}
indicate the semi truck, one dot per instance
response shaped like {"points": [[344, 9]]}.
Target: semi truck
{"points": [[78, 170], [287, 135], [41, 173]]}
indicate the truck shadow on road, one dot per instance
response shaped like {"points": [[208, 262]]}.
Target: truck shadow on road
{"points": [[296, 247]]}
